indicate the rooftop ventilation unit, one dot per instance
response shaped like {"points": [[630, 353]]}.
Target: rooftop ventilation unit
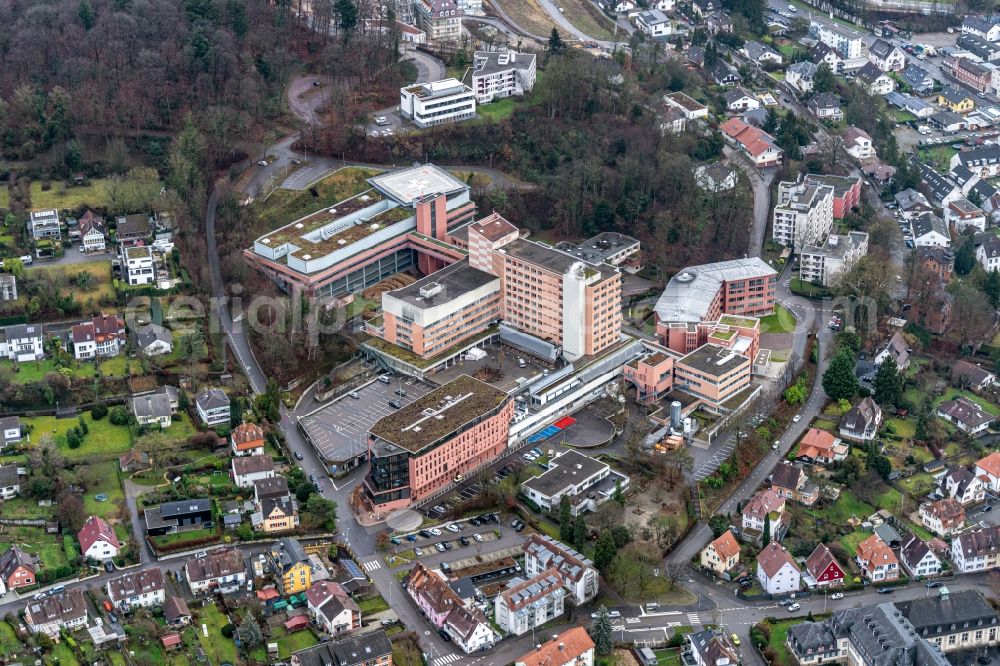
{"points": [[430, 290]]}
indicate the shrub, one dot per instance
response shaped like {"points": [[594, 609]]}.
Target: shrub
{"points": [[228, 631], [99, 411], [118, 415]]}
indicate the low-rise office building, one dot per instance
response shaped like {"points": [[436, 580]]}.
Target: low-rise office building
{"points": [[437, 102], [586, 481], [713, 373]]}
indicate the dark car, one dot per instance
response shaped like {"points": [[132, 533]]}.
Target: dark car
{"points": [[886, 590], [395, 404], [520, 527], [298, 455], [400, 392], [933, 583], [411, 537], [447, 545], [444, 635], [476, 522], [425, 534], [464, 541]]}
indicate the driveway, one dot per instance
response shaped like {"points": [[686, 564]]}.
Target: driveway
{"points": [[132, 492], [71, 255]]}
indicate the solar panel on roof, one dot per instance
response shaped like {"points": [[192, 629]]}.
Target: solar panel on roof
{"points": [[352, 568]]}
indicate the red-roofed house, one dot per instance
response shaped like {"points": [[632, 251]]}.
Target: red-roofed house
{"points": [[822, 447], [573, 647], [98, 540], [722, 554], [988, 469], [876, 560], [756, 144], [332, 607], [248, 440], [103, 335], [777, 571], [943, 517], [171, 641], [824, 568]]}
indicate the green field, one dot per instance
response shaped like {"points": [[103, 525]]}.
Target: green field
{"points": [[103, 438], [60, 196], [781, 321], [100, 270], [496, 111], [582, 15], [905, 428], [839, 512], [285, 206], [850, 541], [48, 547], [217, 647], [110, 485], [34, 371]]}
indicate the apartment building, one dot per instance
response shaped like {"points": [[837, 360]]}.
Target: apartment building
{"points": [[247, 469], [527, 604], [437, 102], [846, 42], [963, 214], [954, 621], [765, 507], [277, 509], [247, 439], [580, 577], [859, 144], [439, 311], [221, 571], [981, 26], [137, 589], [213, 407], [401, 223], [434, 441], [445, 610], [440, 19], [102, 336], [138, 264], [713, 373], [976, 550], [846, 191], [918, 558], [968, 72], [888, 57], [499, 74], [877, 561], [821, 264], [54, 613], [289, 563], [984, 161], [803, 214], [652, 376]]}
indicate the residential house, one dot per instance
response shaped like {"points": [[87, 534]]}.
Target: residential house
{"points": [[886, 56], [976, 550], [800, 75], [983, 161], [176, 612], [528, 604], [765, 507], [988, 253], [761, 54], [929, 230], [138, 265], [153, 340], [876, 560], [134, 461], [137, 589], [17, 569], [938, 260], [102, 336], [725, 75], [948, 121], [366, 649], [277, 509], [22, 343], [862, 421], [897, 350], [653, 23], [722, 554], [821, 53], [967, 415], [672, 120], [247, 469], [247, 440], [715, 177], [821, 447], [221, 571], [957, 620], [712, 647], [859, 144], [703, 8], [963, 214], [55, 612], [918, 558], [971, 73], [130, 229], [988, 469], [759, 146], [469, 629], [98, 540], [912, 203], [776, 570], [962, 485], [825, 106], [981, 26], [92, 232], [692, 110], [943, 189], [332, 608], [791, 482], [10, 431], [943, 517], [153, 408], [212, 406], [738, 100], [587, 482], [919, 79], [969, 375], [8, 287], [579, 575], [178, 516], [45, 225], [10, 481], [289, 563], [873, 80], [823, 568], [955, 100], [573, 647]]}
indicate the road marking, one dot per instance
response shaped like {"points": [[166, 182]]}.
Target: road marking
{"points": [[693, 618], [447, 659], [372, 565]]}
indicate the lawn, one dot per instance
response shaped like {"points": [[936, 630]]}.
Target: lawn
{"points": [[100, 270], [669, 657], [888, 499], [103, 438], [839, 512], [902, 116], [285, 206], [217, 647], [60, 196], [182, 537], [953, 393], [905, 428], [496, 111], [586, 18], [287, 644], [34, 371], [918, 485], [48, 547], [850, 541], [109, 485], [9, 644], [779, 635], [781, 321], [62, 654], [372, 605]]}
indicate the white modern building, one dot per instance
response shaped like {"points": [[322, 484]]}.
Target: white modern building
{"points": [[437, 102], [527, 604], [45, 225], [138, 265], [846, 42], [822, 263], [803, 215], [213, 406], [499, 74], [586, 481], [580, 577], [653, 23], [977, 550]]}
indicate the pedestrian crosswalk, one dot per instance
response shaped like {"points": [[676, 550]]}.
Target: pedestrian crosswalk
{"points": [[447, 659], [694, 619], [372, 565]]}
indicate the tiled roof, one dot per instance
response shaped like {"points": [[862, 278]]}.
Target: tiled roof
{"points": [[565, 648], [773, 557]]}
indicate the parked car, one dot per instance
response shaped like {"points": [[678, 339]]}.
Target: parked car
{"points": [[793, 608], [425, 534], [796, 418], [411, 537], [464, 541], [418, 552], [837, 595], [886, 590], [452, 527], [448, 545], [444, 635], [298, 455], [933, 583], [435, 531], [439, 546], [735, 638], [477, 537]]}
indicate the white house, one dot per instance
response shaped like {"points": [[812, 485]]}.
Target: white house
{"points": [[765, 506], [153, 408], [212, 406], [247, 469], [527, 604], [52, 613], [102, 336], [761, 53], [22, 343], [10, 483], [98, 540], [918, 558], [153, 340], [92, 232], [499, 74], [887, 57], [862, 421], [988, 469], [738, 99], [138, 263], [221, 571], [981, 26], [137, 589], [876, 560], [962, 485], [470, 630], [800, 75], [963, 214], [978, 550], [859, 144], [929, 230], [967, 415], [653, 23], [943, 517], [437, 102], [45, 225], [332, 608], [988, 253], [777, 571], [587, 482], [10, 431], [874, 80]]}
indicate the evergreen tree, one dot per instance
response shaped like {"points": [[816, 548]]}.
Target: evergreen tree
{"points": [[579, 533], [347, 13], [766, 538], [839, 380], [85, 11], [555, 42], [250, 633], [711, 55], [888, 383], [823, 80], [965, 258], [601, 632], [565, 519], [604, 550], [991, 287], [618, 495]]}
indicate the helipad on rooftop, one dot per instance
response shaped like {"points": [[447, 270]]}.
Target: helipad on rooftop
{"points": [[408, 185]]}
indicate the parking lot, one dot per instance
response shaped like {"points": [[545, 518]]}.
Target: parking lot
{"points": [[339, 430], [467, 539], [498, 357]]}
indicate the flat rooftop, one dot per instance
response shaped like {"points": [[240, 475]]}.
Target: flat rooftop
{"points": [[492, 62], [568, 469], [438, 414], [444, 285], [436, 89], [405, 186], [601, 247], [690, 293], [550, 258], [713, 359]]}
